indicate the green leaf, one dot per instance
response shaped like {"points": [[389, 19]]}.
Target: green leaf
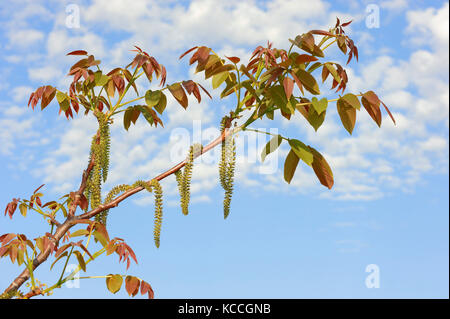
{"points": [[279, 99], [319, 106], [127, 118], [79, 232], [271, 146], [23, 209], [347, 113], [290, 164], [152, 97], [114, 282], [301, 150], [147, 115], [161, 106], [313, 67], [218, 79], [351, 100], [333, 72], [100, 79], [81, 261], [100, 237], [308, 81], [63, 100], [61, 96]]}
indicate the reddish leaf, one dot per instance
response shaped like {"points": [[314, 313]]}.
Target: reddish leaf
{"points": [[6, 238], [83, 202], [298, 82], [288, 85], [233, 59], [35, 191], [201, 55], [322, 169], [132, 285], [302, 58], [163, 76], [178, 93], [371, 103], [47, 96], [346, 23], [191, 49], [77, 52], [389, 112], [146, 288], [321, 32]]}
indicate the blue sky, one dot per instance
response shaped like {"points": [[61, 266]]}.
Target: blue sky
{"points": [[389, 205]]}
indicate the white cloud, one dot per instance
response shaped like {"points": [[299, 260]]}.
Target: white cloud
{"points": [[45, 73], [415, 88], [24, 38]]}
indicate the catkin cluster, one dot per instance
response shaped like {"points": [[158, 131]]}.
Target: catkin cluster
{"points": [[153, 187], [226, 170], [184, 178], [100, 149]]}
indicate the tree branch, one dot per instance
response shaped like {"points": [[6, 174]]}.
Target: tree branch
{"points": [[62, 229]]}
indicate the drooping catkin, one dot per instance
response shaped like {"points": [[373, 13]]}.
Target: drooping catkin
{"points": [[102, 217], [184, 178], [105, 144], [154, 187], [95, 183], [226, 169]]}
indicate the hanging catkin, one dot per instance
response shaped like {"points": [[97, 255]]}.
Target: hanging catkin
{"points": [[184, 178], [226, 169]]}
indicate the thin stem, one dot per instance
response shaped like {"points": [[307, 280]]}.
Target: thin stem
{"points": [[65, 265], [329, 44], [264, 132]]}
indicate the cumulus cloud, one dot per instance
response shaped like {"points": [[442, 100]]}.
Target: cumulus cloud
{"points": [[366, 164]]}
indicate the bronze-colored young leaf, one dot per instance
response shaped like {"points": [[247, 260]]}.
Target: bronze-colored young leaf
{"points": [[308, 81], [322, 169], [178, 93], [77, 52], [132, 285], [347, 114], [304, 58], [147, 289], [114, 282], [333, 71], [290, 164], [80, 259], [372, 105], [288, 85]]}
